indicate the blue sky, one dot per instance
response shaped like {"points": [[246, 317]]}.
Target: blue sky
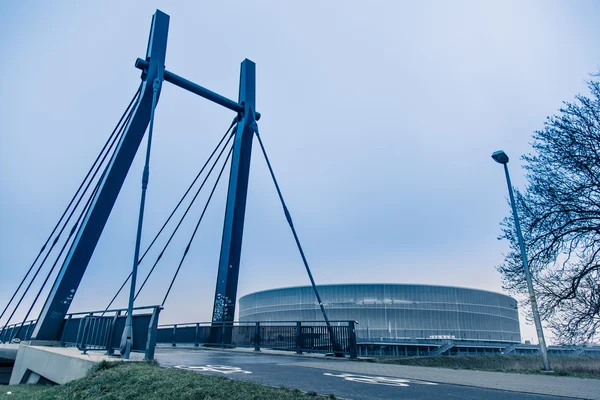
{"points": [[379, 118]]}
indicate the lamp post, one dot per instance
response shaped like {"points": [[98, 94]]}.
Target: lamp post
{"points": [[501, 158]]}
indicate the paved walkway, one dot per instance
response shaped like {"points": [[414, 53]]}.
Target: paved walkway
{"points": [[327, 377], [525, 383], [549, 385]]}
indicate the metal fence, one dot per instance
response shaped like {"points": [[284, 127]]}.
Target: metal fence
{"points": [[305, 336], [98, 330]]}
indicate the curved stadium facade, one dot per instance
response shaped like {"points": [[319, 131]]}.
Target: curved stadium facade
{"points": [[394, 313]]}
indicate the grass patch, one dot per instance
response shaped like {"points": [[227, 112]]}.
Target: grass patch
{"points": [[577, 366], [142, 380]]}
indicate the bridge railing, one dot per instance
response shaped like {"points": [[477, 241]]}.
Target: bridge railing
{"points": [[102, 330], [95, 333], [98, 330], [297, 336], [11, 332]]}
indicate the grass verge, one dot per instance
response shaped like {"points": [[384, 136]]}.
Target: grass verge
{"points": [[143, 380], [577, 366]]}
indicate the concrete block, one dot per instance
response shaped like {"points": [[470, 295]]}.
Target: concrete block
{"points": [[33, 363]]}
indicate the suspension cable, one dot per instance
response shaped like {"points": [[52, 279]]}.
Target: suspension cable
{"points": [[233, 123], [187, 249], [71, 233], [127, 339], [184, 214], [135, 96], [254, 127], [103, 159]]}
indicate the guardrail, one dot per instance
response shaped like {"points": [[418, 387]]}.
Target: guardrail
{"points": [[298, 336], [98, 330]]}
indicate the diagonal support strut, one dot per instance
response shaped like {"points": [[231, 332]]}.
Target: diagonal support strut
{"points": [[63, 291]]}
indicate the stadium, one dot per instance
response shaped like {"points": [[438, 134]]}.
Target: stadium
{"points": [[400, 319]]}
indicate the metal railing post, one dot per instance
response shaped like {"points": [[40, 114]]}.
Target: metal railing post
{"points": [[81, 334], [6, 334], [298, 337], [173, 341], [18, 330], [94, 330], [79, 331], [257, 337], [27, 331], [62, 336], [222, 334], [106, 332], [152, 333], [196, 335], [352, 340], [109, 349]]}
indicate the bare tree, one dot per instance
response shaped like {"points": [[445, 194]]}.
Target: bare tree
{"points": [[560, 215]]}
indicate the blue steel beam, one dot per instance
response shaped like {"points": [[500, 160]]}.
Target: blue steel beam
{"points": [[197, 89], [75, 264], [231, 245]]}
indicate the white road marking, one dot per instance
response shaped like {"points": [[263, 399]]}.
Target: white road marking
{"points": [[224, 369], [378, 380]]}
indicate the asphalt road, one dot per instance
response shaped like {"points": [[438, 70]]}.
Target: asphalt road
{"points": [[276, 370]]}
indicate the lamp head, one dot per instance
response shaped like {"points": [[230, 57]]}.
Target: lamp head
{"points": [[500, 157]]}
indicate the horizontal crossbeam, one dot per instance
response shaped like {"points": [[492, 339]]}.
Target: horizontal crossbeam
{"points": [[197, 89]]}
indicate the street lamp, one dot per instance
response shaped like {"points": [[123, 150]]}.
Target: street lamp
{"points": [[501, 158]]}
